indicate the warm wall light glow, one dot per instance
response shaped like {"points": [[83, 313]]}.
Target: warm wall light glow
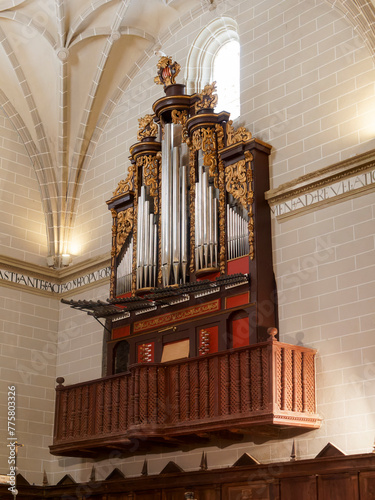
{"points": [[75, 248], [65, 259]]}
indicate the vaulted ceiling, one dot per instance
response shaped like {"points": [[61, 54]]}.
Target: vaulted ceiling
{"points": [[65, 65]]}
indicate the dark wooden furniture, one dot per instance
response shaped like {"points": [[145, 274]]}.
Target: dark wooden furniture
{"points": [[326, 478]]}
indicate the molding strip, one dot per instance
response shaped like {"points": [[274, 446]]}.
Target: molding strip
{"points": [[338, 182], [54, 283]]}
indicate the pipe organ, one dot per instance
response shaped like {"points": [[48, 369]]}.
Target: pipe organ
{"points": [[191, 216], [191, 346]]}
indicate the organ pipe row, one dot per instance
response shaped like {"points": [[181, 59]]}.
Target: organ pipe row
{"points": [[124, 270], [147, 251], [237, 233], [206, 220]]}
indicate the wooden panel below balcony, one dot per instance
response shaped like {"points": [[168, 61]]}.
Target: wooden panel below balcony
{"points": [[264, 385]]}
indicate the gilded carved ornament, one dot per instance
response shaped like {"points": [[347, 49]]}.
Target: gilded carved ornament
{"points": [[180, 118], [167, 71], [147, 127], [150, 175], [204, 139], [207, 98], [127, 185], [125, 221], [238, 178], [234, 136]]}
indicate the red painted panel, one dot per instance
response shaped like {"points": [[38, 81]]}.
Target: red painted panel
{"points": [[240, 265], [123, 331], [145, 353], [237, 300], [240, 330], [124, 295], [213, 339]]}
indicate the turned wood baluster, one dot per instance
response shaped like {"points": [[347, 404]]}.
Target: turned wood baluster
{"points": [[78, 428], [73, 412], [206, 389], [295, 380], [304, 384], [283, 379], [177, 393], [116, 405], [188, 391], [136, 396]]}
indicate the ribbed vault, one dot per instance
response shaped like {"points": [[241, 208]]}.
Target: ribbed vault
{"points": [[59, 87]]}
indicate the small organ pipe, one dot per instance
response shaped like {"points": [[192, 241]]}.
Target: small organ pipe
{"points": [[184, 252], [176, 214]]}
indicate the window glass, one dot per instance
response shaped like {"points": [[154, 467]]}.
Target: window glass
{"points": [[226, 73]]}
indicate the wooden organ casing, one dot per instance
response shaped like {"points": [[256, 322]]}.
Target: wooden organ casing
{"points": [[192, 211]]}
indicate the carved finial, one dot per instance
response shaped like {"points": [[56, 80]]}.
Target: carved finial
{"points": [[272, 332], [92, 475], [203, 465], [147, 127], [167, 71], [145, 468], [45, 479], [293, 452], [60, 381], [207, 98]]}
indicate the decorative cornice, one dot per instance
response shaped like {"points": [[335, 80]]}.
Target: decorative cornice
{"points": [[346, 179], [54, 283]]}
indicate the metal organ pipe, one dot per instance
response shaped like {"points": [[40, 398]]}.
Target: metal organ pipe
{"points": [[206, 219], [124, 271], [237, 231]]}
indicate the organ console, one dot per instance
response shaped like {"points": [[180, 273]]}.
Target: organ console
{"points": [[192, 309]]}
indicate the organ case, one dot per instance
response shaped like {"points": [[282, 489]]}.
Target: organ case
{"points": [[192, 311]]}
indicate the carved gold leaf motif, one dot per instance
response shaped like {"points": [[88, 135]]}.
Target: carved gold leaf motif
{"points": [[234, 136], [125, 221], [207, 98], [147, 127], [127, 185]]}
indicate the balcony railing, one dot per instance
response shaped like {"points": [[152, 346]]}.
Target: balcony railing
{"points": [[266, 383]]}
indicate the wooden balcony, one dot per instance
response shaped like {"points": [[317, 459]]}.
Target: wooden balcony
{"points": [[269, 383]]}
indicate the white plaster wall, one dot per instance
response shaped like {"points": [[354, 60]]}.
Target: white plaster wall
{"points": [[22, 222], [28, 341]]}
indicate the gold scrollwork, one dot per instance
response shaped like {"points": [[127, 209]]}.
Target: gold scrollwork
{"points": [[204, 139], [125, 222], [180, 118], [219, 135], [127, 185], [207, 98], [235, 176], [234, 136], [238, 177], [147, 127], [167, 71], [150, 165], [250, 198]]}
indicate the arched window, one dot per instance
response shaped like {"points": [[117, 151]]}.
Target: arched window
{"points": [[215, 56]]}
